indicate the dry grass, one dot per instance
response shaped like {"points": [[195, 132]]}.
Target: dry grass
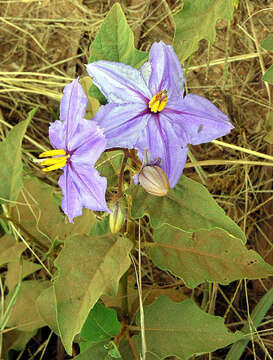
{"points": [[44, 45]]}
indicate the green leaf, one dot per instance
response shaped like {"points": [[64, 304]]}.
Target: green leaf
{"points": [[109, 165], [113, 351], [100, 227], [95, 93], [10, 250], [96, 351], [125, 350], [88, 267], [259, 312], [202, 256], [197, 21], [40, 215], [267, 43], [189, 206], [11, 162], [268, 75], [115, 41], [46, 307], [23, 313], [17, 268], [101, 324], [182, 330]]}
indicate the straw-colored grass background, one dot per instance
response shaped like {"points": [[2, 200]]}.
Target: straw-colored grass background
{"points": [[44, 44]]}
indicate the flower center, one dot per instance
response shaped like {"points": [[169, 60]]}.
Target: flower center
{"points": [[58, 160], [158, 101]]}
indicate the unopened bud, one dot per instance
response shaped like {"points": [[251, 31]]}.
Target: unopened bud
{"points": [[116, 218], [154, 180]]}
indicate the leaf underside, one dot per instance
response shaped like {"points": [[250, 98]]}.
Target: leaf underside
{"points": [[88, 267]]}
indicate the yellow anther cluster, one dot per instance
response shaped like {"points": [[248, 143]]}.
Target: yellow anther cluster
{"points": [[56, 162], [158, 101]]}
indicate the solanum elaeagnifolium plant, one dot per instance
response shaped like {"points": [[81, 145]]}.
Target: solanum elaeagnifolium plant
{"points": [[121, 182]]}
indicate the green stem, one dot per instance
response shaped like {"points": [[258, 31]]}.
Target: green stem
{"points": [[206, 292]]}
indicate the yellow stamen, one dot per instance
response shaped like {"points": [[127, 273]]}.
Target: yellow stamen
{"points": [[53, 153], [55, 166], [53, 161], [163, 103], [155, 106], [57, 161], [158, 101]]}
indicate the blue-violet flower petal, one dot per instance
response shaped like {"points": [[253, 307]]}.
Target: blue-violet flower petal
{"points": [[148, 110], [78, 143]]}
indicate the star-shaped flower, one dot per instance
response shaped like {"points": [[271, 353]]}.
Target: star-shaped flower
{"points": [[147, 109], [78, 144]]}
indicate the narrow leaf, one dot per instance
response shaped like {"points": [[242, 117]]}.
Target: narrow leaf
{"points": [[88, 267], [189, 206], [202, 256], [259, 312], [182, 330], [11, 162], [197, 21]]}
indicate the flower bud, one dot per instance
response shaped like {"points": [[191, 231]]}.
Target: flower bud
{"points": [[116, 218], [154, 180]]}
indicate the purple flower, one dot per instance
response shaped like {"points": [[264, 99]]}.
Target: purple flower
{"points": [[147, 109], [78, 144]]}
